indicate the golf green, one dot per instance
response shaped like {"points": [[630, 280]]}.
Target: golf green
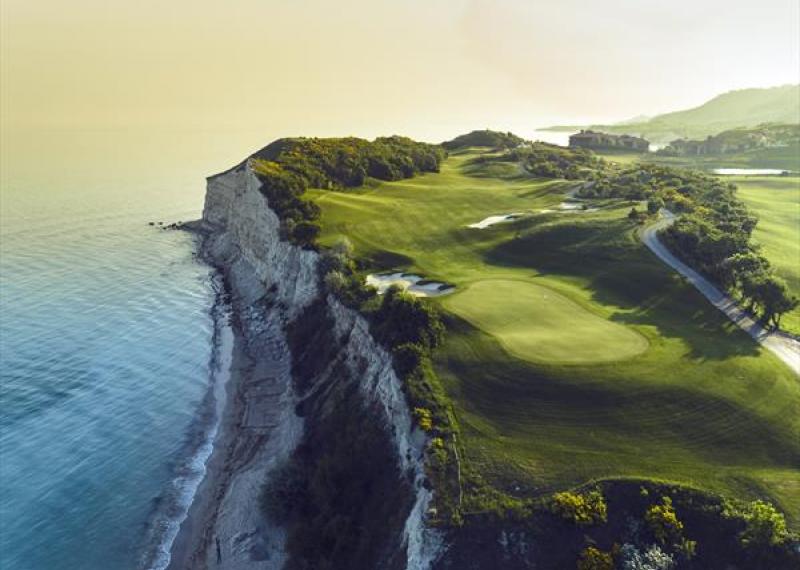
{"points": [[535, 323]]}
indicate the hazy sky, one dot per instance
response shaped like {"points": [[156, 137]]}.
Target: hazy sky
{"points": [[427, 68]]}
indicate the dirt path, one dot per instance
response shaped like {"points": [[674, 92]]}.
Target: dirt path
{"points": [[784, 347]]}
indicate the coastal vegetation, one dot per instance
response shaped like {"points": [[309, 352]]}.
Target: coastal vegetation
{"points": [[288, 167]]}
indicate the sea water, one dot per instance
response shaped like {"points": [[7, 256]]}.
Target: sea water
{"points": [[109, 335]]}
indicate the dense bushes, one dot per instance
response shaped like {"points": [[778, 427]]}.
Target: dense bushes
{"points": [[580, 508], [288, 167], [595, 559], [763, 525], [485, 138], [551, 161]]}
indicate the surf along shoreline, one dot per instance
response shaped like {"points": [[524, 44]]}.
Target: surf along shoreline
{"points": [[196, 472]]}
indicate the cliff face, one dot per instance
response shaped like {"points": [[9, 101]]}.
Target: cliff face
{"points": [[272, 417]]}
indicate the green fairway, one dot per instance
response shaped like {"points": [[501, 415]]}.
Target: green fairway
{"points": [[776, 200], [537, 324], [572, 353]]}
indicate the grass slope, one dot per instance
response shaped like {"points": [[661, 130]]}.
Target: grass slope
{"points": [[777, 202], [702, 405]]}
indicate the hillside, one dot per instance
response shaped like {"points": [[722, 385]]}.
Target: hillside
{"points": [[740, 108], [736, 140]]}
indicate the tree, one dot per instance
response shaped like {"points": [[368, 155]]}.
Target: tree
{"points": [[742, 267], [595, 559], [764, 525], [581, 508], [305, 233], [664, 522], [774, 297], [654, 205]]}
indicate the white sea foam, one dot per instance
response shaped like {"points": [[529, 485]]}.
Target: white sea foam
{"points": [[185, 485]]}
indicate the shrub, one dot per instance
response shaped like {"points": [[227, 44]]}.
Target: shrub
{"points": [[654, 205], [763, 524], [583, 509], [663, 522], [407, 357], [424, 419], [403, 318], [594, 559], [631, 558]]}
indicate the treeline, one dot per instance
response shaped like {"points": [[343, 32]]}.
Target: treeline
{"points": [[713, 233], [289, 166]]}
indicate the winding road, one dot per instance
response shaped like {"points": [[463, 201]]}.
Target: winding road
{"points": [[782, 345]]}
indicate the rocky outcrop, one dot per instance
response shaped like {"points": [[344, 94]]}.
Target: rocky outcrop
{"points": [[272, 284]]}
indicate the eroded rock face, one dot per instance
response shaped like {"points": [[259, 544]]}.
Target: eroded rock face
{"points": [[272, 283], [246, 231]]}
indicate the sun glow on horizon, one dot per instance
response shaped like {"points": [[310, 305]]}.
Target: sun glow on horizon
{"points": [[426, 69]]}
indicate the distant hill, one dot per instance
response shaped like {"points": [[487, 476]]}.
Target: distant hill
{"points": [[741, 108], [487, 138]]}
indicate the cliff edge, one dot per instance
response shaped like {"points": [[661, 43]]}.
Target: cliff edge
{"points": [[306, 378]]}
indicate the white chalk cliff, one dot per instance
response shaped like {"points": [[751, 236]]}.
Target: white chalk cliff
{"points": [[271, 282]]}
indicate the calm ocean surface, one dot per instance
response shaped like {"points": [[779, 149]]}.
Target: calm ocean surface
{"points": [[106, 340]]}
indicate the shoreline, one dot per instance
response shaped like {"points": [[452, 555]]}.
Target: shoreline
{"points": [[193, 470], [257, 429], [198, 515]]}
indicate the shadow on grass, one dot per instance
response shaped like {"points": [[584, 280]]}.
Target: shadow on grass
{"points": [[383, 259], [620, 272], [575, 408]]}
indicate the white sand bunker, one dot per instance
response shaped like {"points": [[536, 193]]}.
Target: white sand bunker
{"points": [[570, 207], [413, 284], [492, 220], [750, 172]]}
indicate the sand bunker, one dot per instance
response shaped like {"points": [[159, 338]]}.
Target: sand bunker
{"points": [[569, 207], [492, 220], [750, 172], [413, 284]]}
